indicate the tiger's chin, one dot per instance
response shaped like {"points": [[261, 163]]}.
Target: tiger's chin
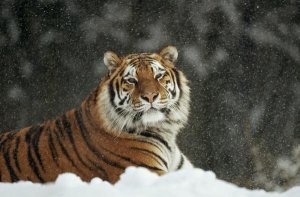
{"points": [[152, 116]]}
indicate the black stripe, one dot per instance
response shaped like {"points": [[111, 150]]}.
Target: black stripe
{"points": [[58, 127], [33, 166], [131, 131], [121, 72], [156, 137], [94, 150], [178, 82], [154, 154], [29, 134], [177, 78], [134, 61], [64, 151], [152, 69], [165, 110], [117, 89], [30, 159], [173, 92], [173, 78], [16, 150], [133, 162], [128, 99], [148, 167], [68, 128], [119, 111], [35, 144], [148, 142], [98, 167], [123, 100], [180, 163], [137, 117], [125, 76], [52, 147], [13, 176], [112, 97], [112, 94]]}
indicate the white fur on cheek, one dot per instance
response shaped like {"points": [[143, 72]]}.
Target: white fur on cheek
{"points": [[152, 117]]}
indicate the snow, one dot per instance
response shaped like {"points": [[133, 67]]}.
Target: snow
{"points": [[136, 182], [262, 35], [192, 56], [15, 92], [157, 35]]}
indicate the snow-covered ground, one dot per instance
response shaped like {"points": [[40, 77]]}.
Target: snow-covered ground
{"points": [[139, 182]]}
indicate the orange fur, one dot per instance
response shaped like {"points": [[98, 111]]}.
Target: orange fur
{"points": [[83, 141]]}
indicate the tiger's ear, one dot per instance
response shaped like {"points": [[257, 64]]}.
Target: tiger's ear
{"points": [[111, 61], [169, 53]]}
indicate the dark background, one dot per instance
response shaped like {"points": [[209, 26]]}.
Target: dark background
{"points": [[242, 58]]}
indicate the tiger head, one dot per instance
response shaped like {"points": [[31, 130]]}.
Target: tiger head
{"points": [[144, 90]]}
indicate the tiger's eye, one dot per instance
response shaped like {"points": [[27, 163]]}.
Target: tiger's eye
{"points": [[131, 80], [159, 75]]}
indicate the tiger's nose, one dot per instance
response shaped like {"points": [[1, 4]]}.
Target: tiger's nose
{"points": [[150, 96]]}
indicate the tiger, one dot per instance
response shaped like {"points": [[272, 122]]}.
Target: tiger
{"points": [[131, 118]]}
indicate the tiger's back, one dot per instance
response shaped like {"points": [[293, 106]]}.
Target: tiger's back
{"points": [[103, 137]]}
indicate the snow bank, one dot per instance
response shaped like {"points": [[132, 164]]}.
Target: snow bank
{"points": [[137, 182]]}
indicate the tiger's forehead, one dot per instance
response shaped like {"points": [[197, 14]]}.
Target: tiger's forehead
{"points": [[143, 61]]}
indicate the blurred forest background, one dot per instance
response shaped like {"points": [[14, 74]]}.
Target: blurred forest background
{"points": [[242, 57]]}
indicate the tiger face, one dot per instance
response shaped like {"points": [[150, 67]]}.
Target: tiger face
{"points": [[143, 88]]}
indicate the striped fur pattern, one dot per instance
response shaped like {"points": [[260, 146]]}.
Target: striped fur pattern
{"points": [[131, 119]]}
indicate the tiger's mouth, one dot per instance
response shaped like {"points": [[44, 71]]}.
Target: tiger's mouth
{"points": [[152, 109], [145, 108], [152, 115]]}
